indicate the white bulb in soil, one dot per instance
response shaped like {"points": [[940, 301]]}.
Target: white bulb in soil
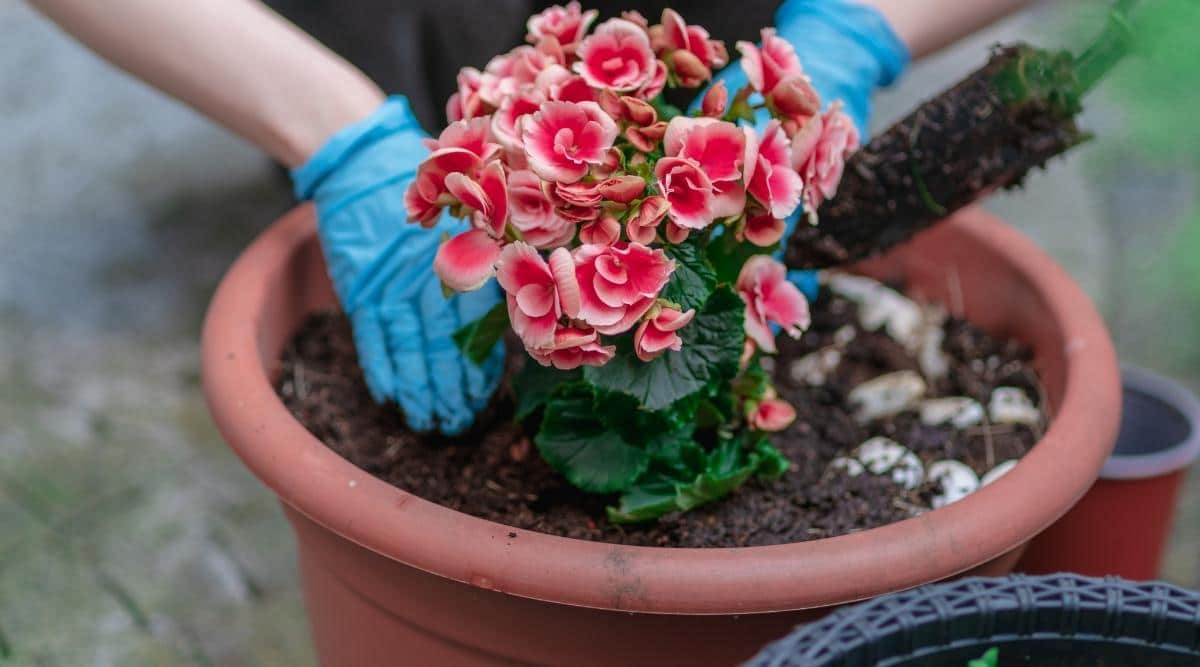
{"points": [[1010, 405], [884, 456], [955, 481], [886, 395], [930, 357], [845, 464], [845, 335], [999, 471], [815, 368], [881, 307], [958, 411]]}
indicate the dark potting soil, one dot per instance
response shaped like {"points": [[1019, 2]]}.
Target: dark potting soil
{"points": [[495, 472]]}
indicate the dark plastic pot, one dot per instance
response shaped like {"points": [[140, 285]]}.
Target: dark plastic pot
{"points": [[1122, 525], [1062, 620]]}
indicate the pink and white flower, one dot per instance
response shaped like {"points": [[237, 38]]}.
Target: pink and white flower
{"points": [[762, 229], [642, 226], [768, 65], [464, 263], [721, 150], [487, 198], [567, 24], [770, 176], [539, 292], [561, 85], [770, 298], [604, 230], [573, 347], [619, 283], [678, 35], [660, 332], [467, 102], [688, 190], [462, 148], [770, 414], [532, 211], [506, 127], [562, 139], [819, 152], [617, 56]]}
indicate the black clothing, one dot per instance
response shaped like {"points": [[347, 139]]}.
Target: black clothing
{"points": [[416, 47]]}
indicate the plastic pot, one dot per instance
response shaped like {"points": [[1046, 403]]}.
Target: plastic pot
{"points": [[1060, 620], [1122, 525], [389, 576]]}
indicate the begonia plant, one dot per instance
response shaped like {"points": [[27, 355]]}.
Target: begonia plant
{"points": [[634, 245]]}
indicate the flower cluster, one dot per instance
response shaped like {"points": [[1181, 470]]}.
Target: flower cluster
{"points": [[606, 214], [556, 146]]}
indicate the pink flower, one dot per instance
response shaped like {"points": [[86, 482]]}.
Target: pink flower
{"points": [[539, 293], [622, 189], [763, 229], [770, 177], [566, 24], [604, 230], [770, 414], [692, 38], [715, 101], [563, 139], [467, 261], [573, 347], [643, 226], [468, 137], [688, 190], [659, 333], [646, 139], [505, 124], [658, 79], [796, 99], [487, 198], [775, 61], [617, 56], [770, 297], [619, 283], [466, 103], [532, 212], [559, 84], [462, 148], [819, 152], [719, 147]]}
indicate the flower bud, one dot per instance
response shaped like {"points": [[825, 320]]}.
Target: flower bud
{"points": [[715, 100]]}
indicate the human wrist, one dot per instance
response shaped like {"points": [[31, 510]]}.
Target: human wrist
{"points": [[391, 120], [301, 129]]}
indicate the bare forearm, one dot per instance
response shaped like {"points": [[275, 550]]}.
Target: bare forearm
{"points": [[233, 60], [928, 25]]}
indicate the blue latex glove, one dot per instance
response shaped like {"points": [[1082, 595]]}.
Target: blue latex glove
{"points": [[382, 269], [848, 50]]}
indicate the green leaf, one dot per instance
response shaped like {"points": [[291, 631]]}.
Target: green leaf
{"points": [[726, 255], [535, 383], [990, 658], [592, 456], [693, 280], [687, 485], [712, 345], [666, 111], [477, 339]]}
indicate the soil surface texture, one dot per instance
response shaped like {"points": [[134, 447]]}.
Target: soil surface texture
{"points": [[495, 472]]}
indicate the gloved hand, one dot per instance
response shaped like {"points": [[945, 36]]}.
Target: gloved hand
{"points": [[848, 50], [381, 267]]}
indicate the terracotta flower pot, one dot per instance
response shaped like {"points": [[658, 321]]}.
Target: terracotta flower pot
{"points": [[391, 577], [1121, 526]]}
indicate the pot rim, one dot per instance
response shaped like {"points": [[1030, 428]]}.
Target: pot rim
{"points": [[1173, 459], [331, 491]]}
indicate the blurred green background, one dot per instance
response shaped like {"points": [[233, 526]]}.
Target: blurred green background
{"points": [[129, 535]]}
